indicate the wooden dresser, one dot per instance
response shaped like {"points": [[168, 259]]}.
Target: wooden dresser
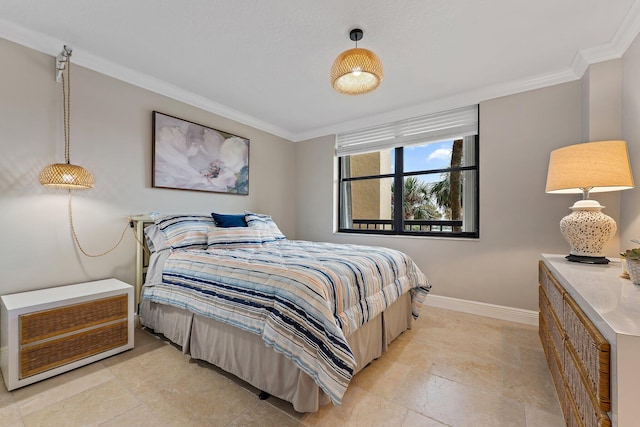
{"points": [[590, 332]]}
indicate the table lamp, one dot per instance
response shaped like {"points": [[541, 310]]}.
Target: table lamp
{"points": [[590, 167]]}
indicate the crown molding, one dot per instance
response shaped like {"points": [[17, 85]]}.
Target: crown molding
{"points": [[52, 46], [615, 49], [448, 103], [161, 87]]}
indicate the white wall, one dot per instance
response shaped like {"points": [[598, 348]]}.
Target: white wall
{"points": [[111, 137], [518, 221], [630, 203]]}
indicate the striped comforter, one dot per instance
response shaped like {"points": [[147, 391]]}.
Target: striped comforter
{"points": [[302, 298]]}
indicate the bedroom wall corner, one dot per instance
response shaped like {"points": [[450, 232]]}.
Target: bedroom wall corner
{"points": [[630, 199], [111, 137]]}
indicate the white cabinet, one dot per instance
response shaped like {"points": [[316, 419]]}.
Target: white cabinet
{"points": [[50, 331], [592, 306]]}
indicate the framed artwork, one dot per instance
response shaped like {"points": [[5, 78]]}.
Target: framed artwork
{"points": [[189, 156]]}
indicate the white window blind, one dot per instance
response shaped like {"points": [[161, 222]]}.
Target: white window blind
{"points": [[436, 127]]}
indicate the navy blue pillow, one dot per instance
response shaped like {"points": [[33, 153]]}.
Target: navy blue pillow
{"points": [[229, 220]]}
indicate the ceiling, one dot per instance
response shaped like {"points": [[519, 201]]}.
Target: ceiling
{"points": [[267, 63]]}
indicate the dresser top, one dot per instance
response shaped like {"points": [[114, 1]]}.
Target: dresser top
{"points": [[70, 293], [613, 303]]}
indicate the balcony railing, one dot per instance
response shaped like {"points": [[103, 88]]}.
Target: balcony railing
{"points": [[409, 225]]}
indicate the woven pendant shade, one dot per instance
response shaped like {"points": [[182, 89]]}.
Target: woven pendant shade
{"points": [[356, 71], [64, 175]]}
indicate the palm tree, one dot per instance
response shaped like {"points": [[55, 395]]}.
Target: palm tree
{"points": [[446, 193], [416, 203]]}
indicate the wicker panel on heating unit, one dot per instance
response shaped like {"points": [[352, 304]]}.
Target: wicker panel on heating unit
{"points": [[50, 354], [54, 322]]}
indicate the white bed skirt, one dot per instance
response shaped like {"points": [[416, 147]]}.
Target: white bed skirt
{"points": [[245, 354]]}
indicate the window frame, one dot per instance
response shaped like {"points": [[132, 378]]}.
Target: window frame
{"points": [[398, 221]]}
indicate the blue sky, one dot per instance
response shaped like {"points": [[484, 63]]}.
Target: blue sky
{"points": [[430, 156]]}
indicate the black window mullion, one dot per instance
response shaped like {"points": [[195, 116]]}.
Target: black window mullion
{"points": [[397, 222], [398, 194]]}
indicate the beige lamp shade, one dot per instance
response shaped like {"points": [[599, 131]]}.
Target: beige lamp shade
{"points": [[65, 175], [356, 71], [592, 167]]}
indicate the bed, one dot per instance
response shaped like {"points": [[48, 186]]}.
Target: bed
{"points": [[295, 319]]}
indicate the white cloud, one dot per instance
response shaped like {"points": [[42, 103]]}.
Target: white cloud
{"points": [[440, 153]]}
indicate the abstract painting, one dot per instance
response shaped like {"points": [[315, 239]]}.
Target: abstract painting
{"points": [[190, 156]]}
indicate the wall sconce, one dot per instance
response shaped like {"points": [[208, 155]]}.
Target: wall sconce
{"points": [[586, 168], [66, 175]]}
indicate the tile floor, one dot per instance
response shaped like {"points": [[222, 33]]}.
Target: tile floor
{"points": [[451, 369]]}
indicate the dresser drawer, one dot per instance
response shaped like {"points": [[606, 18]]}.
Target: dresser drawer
{"points": [[552, 289], [553, 361], [584, 402], [552, 324], [591, 350], [571, 413]]}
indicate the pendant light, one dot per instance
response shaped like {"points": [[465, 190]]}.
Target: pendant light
{"points": [[356, 71], [66, 175]]}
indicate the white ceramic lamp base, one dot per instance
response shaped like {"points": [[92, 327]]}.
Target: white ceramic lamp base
{"points": [[587, 230]]}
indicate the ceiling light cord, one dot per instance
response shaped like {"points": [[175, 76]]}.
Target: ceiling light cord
{"points": [[85, 253], [66, 112]]}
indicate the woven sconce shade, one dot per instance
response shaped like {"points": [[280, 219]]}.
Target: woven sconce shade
{"points": [[356, 71], [64, 175]]}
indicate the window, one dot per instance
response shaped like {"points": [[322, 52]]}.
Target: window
{"points": [[433, 163]]}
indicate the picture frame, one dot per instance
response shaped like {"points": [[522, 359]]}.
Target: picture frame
{"points": [[191, 156]]}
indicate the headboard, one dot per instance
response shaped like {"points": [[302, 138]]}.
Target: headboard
{"points": [[142, 253]]}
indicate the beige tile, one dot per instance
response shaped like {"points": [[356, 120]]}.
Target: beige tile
{"points": [[144, 342], [94, 406], [9, 414], [414, 353], [53, 390], [525, 336], [457, 404], [159, 368], [413, 419], [264, 415], [201, 397], [451, 369], [470, 334], [532, 383], [140, 416], [359, 409], [382, 377], [166, 412], [477, 371], [539, 418]]}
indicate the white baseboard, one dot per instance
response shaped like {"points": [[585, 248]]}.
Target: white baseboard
{"points": [[483, 309]]}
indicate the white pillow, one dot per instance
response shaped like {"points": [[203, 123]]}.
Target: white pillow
{"points": [[184, 231]]}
